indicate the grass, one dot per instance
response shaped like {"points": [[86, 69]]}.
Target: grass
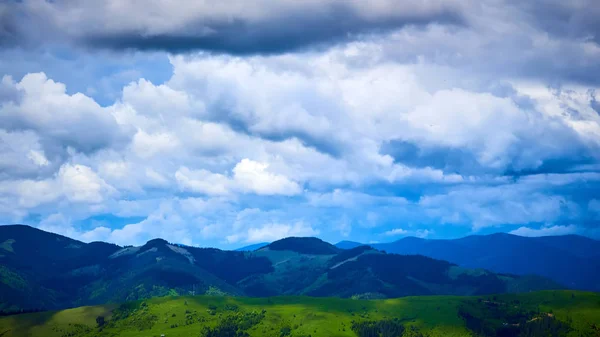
{"points": [[304, 316]]}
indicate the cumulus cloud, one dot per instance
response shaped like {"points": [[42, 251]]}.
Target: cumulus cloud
{"points": [[248, 177], [396, 231], [81, 184], [61, 119], [254, 177], [203, 181], [546, 231], [420, 233], [272, 232]]}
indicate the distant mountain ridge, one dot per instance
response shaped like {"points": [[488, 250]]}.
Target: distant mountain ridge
{"points": [[348, 244], [42, 270], [570, 260]]}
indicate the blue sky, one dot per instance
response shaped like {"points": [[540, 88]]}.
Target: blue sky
{"points": [[230, 124]]}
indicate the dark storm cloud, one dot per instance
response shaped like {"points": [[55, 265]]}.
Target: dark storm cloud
{"points": [[569, 19], [278, 27], [284, 33], [9, 29]]}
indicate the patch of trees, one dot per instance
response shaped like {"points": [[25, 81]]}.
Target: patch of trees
{"points": [[495, 319], [141, 318], [234, 325], [416, 266], [384, 328], [230, 266]]}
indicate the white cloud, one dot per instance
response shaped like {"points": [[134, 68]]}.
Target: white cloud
{"points": [[38, 158], [22, 155], [419, 233], [546, 231], [160, 101], [254, 177], [273, 231], [81, 184], [396, 231], [148, 145], [31, 193], [248, 177], [203, 181], [67, 120], [100, 233], [128, 235]]}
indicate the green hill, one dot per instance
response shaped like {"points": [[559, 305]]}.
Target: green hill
{"points": [[547, 313]]}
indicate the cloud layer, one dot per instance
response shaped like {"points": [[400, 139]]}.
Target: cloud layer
{"points": [[434, 119], [232, 26]]}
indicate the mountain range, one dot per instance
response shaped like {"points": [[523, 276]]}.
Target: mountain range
{"points": [[570, 260], [41, 270]]}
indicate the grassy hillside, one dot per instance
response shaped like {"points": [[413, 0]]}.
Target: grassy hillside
{"points": [[570, 313]]}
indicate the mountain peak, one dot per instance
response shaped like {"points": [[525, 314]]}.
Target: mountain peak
{"points": [[156, 243], [304, 245]]}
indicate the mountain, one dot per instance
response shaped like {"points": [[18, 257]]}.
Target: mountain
{"points": [[304, 246], [570, 260], [251, 248], [348, 244], [42, 270]]}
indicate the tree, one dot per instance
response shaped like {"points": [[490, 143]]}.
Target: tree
{"points": [[100, 321]]}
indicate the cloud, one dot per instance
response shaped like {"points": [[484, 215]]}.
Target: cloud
{"points": [[546, 231], [594, 206], [574, 20], [253, 176], [38, 158], [396, 231], [485, 206], [81, 184], [452, 115], [9, 29], [22, 155], [248, 177], [203, 181], [60, 119], [352, 199], [272, 232], [30, 193], [148, 145], [233, 26], [420, 233]]}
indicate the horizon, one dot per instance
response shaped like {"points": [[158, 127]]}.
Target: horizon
{"points": [[333, 242], [221, 126]]}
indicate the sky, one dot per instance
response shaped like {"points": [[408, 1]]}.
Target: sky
{"points": [[235, 122]]}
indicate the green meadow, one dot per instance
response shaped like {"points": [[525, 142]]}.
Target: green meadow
{"points": [[308, 316]]}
